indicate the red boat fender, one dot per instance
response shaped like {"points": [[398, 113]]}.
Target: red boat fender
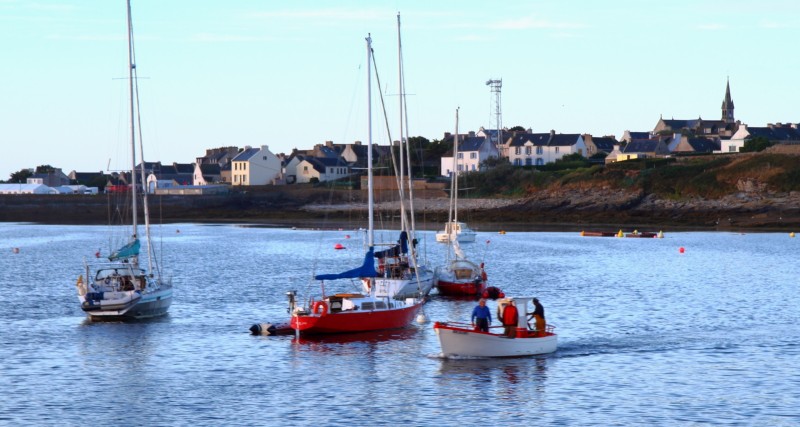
{"points": [[323, 311]]}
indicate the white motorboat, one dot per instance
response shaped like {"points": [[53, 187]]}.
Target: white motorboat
{"points": [[455, 230], [462, 340]]}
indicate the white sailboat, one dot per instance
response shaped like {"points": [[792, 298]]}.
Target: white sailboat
{"points": [[122, 288], [455, 230], [402, 271]]}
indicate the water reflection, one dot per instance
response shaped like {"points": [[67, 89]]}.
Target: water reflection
{"points": [[508, 378]]}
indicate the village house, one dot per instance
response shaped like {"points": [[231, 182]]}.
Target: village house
{"points": [[209, 169], [256, 166], [526, 149], [779, 133], [472, 152], [598, 144]]}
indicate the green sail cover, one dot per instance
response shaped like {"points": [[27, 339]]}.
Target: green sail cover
{"points": [[127, 251]]}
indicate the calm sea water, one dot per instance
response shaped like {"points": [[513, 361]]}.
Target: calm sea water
{"points": [[648, 335]]}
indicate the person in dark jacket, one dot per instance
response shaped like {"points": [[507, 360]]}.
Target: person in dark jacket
{"points": [[481, 316], [538, 317]]}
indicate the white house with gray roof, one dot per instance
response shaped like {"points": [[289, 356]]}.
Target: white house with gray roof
{"points": [[255, 166], [472, 152]]}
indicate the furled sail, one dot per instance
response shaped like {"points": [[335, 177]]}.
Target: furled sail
{"points": [[127, 251], [367, 269], [401, 248]]}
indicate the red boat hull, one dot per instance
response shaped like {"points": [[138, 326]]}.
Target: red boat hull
{"points": [[454, 289], [356, 320]]}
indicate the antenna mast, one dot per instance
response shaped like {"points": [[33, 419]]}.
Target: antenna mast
{"points": [[495, 86]]}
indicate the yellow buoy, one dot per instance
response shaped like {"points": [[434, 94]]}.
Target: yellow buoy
{"points": [[619, 234], [791, 234], [582, 233]]}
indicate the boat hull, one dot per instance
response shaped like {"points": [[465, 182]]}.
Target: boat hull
{"points": [[151, 304], [464, 342], [456, 231], [356, 320], [455, 288]]}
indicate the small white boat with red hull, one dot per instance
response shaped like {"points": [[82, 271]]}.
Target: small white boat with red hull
{"points": [[461, 277], [462, 340]]}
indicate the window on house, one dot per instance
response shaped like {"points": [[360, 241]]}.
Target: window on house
{"points": [[473, 155], [539, 162], [517, 150], [527, 150], [473, 167], [460, 155], [460, 168], [528, 161], [517, 162], [538, 150], [732, 148], [557, 149]]}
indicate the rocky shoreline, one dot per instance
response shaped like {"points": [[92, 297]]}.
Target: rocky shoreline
{"points": [[590, 208]]}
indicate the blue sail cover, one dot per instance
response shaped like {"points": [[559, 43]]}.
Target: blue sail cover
{"points": [[367, 269], [400, 248], [127, 251]]}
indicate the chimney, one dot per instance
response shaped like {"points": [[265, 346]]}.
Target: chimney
{"points": [[471, 133], [329, 144], [447, 135], [357, 143]]}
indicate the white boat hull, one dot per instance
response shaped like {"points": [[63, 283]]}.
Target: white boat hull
{"points": [[461, 342], [456, 231]]}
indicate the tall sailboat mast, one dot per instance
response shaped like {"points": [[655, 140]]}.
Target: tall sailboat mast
{"points": [[131, 68], [370, 197]]}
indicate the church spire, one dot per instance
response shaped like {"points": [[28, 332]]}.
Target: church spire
{"points": [[727, 104]]}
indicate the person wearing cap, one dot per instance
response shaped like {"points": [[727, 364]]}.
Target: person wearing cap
{"points": [[481, 316]]}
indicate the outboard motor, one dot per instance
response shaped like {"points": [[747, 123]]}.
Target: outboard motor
{"points": [[292, 296]]}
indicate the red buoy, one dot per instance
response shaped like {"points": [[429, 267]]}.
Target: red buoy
{"points": [[681, 250], [338, 246]]}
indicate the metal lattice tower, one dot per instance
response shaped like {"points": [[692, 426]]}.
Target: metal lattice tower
{"points": [[495, 86]]}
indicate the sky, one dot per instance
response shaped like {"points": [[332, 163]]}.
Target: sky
{"points": [[292, 74]]}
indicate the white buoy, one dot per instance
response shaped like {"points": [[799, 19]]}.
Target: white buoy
{"points": [[421, 318]]}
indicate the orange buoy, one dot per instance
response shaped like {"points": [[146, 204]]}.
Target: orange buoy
{"points": [[681, 250], [338, 246]]}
